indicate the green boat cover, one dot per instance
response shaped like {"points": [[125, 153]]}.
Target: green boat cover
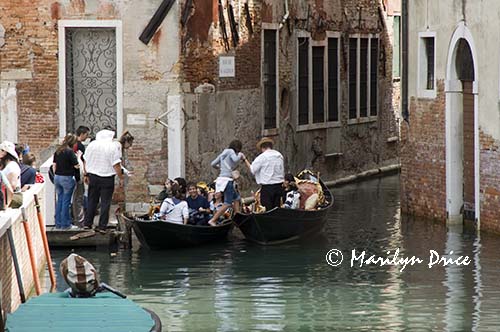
{"points": [[58, 312]]}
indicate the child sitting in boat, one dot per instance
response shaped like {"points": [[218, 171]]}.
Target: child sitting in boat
{"points": [[199, 207], [175, 209]]}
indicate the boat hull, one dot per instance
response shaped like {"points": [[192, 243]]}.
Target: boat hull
{"points": [[283, 225], [165, 235]]}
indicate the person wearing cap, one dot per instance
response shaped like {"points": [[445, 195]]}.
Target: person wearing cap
{"points": [[227, 162], [102, 163], [9, 165], [268, 169]]}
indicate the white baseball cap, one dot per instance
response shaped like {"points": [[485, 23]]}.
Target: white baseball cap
{"points": [[10, 148]]}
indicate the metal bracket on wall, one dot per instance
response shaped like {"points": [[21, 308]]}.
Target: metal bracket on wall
{"points": [[187, 118], [159, 121]]}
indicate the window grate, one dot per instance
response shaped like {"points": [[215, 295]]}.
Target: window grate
{"points": [[90, 78]]}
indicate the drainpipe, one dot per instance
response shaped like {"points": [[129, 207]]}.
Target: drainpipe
{"points": [[285, 17], [404, 83]]}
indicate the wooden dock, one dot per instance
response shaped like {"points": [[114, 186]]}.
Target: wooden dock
{"points": [[81, 237], [57, 312]]}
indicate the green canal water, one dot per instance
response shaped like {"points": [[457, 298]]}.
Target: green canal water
{"points": [[238, 286]]}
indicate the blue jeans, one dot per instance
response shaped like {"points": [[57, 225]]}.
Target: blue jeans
{"points": [[230, 194], [64, 190]]}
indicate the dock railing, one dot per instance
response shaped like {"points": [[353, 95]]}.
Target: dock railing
{"points": [[49, 203], [19, 230]]}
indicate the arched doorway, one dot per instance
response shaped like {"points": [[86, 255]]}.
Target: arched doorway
{"points": [[462, 144], [465, 70]]}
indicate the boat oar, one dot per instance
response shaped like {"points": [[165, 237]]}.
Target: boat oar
{"points": [[13, 253], [34, 270], [41, 225], [104, 286]]}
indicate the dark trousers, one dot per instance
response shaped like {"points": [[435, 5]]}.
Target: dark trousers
{"points": [[100, 188], [271, 195]]}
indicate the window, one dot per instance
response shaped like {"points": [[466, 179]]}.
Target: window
{"points": [[429, 55], [426, 65], [318, 54], [269, 79], [333, 79], [318, 86], [396, 64], [363, 77], [303, 80]]}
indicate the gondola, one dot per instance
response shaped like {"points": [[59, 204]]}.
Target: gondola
{"points": [[281, 225], [165, 235]]}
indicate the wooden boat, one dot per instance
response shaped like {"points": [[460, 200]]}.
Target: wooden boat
{"points": [[165, 235], [281, 225], [103, 312]]}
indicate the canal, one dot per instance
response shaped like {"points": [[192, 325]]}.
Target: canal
{"points": [[241, 286]]}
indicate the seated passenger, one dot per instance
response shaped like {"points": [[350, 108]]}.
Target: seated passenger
{"points": [[199, 208], [175, 209], [292, 196]]}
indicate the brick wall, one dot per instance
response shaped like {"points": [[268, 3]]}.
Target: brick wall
{"points": [[31, 44], [489, 182], [203, 43], [423, 153]]}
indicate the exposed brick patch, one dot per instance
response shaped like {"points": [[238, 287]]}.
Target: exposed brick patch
{"points": [[423, 158], [489, 182]]}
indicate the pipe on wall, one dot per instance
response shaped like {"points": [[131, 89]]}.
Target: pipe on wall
{"points": [[404, 55]]}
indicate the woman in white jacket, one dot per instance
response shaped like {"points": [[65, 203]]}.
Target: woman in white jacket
{"points": [[175, 209]]}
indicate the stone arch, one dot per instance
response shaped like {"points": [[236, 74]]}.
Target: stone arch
{"points": [[462, 84]]}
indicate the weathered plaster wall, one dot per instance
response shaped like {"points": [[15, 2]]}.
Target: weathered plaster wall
{"points": [[364, 146]]}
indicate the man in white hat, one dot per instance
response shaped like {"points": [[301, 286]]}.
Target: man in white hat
{"points": [[9, 164], [269, 172], [102, 163]]}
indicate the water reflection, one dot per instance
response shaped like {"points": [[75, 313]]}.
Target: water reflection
{"points": [[241, 286]]}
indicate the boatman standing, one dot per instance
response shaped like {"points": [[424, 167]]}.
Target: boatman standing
{"points": [[269, 171]]}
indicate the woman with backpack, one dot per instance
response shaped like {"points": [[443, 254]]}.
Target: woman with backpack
{"points": [[175, 209]]}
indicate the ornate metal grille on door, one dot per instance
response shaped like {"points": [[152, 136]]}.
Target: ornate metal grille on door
{"points": [[90, 78]]}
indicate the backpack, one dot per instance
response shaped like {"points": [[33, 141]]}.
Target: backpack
{"points": [[80, 275]]}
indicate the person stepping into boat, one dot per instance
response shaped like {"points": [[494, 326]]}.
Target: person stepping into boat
{"points": [[268, 169], [227, 161]]}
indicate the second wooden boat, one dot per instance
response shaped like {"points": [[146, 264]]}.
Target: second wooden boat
{"points": [[281, 225]]}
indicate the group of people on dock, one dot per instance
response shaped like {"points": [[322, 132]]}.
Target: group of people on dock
{"points": [[96, 165], [16, 172]]}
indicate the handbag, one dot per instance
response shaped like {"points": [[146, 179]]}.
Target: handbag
{"points": [[17, 200]]}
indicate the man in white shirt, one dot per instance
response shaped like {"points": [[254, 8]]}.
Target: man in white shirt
{"points": [[102, 162], [269, 172]]}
